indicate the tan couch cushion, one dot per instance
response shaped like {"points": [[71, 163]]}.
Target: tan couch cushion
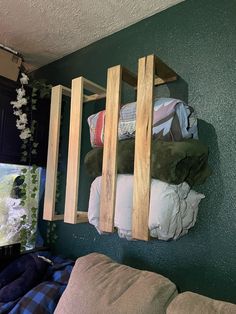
{"points": [[188, 302], [99, 285]]}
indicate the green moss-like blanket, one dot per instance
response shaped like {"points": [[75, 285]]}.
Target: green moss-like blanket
{"points": [[172, 162]]}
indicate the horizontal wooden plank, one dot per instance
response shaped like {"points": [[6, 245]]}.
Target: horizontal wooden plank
{"points": [[158, 81], [129, 77], [88, 98], [163, 71], [66, 91], [58, 217], [93, 87], [82, 217]]}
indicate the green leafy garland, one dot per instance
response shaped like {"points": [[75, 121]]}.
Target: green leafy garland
{"points": [[41, 90], [29, 199], [38, 89]]}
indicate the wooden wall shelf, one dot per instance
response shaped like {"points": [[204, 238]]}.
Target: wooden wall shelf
{"points": [[151, 72]]}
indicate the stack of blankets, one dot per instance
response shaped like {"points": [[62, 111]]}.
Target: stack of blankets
{"points": [[179, 161]]}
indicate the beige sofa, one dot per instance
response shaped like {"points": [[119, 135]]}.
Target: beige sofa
{"points": [[99, 285]]}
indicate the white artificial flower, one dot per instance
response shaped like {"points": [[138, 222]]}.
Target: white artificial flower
{"points": [[25, 134], [20, 125], [15, 104], [23, 118], [24, 79], [20, 93], [17, 112], [19, 103], [23, 101]]}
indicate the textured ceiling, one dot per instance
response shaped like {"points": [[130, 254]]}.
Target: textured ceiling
{"points": [[46, 30]]}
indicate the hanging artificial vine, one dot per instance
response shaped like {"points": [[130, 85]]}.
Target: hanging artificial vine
{"points": [[18, 105], [40, 89], [51, 236], [29, 200], [30, 174]]}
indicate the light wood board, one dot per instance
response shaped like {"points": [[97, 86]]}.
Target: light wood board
{"points": [[142, 160], [109, 168]]}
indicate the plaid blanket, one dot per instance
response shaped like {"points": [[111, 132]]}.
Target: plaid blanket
{"points": [[43, 298], [173, 120]]}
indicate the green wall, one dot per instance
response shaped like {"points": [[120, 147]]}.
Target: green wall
{"points": [[198, 40]]}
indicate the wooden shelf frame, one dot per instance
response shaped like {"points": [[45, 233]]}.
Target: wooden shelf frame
{"points": [[78, 98], [151, 72], [53, 150]]}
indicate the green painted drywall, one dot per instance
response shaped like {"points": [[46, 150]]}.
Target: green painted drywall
{"points": [[198, 40]]}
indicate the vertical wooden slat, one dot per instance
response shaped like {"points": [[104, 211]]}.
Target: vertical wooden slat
{"points": [[143, 136], [109, 168], [73, 165], [52, 157]]}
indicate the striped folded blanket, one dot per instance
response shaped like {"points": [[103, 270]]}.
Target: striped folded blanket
{"points": [[173, 120]]}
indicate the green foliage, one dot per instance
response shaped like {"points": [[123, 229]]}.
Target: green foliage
{"points": [[40, 89], [29, 200], [30, 174], [51, 236]]}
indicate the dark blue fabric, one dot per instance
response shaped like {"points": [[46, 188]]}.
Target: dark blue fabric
{"points": [[44, 297], [20, 276], [41, 299]]}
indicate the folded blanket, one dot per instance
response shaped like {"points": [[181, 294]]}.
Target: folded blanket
{"points": [[173, 120], [172, 162], [173, 208]]}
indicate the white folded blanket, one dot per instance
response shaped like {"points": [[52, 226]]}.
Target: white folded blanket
{"points": [[173, 208]]}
